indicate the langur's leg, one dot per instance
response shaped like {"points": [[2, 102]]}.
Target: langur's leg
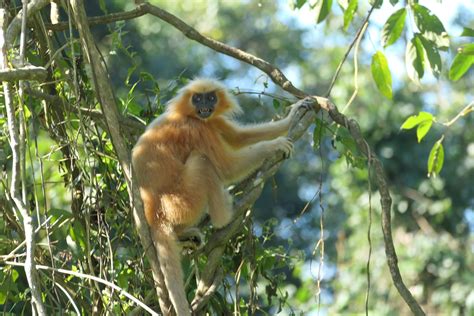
{"points": [[185, 205], [220, 205]]}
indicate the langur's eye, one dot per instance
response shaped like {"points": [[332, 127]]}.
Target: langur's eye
{"points": [[211, 97], [197, 98]]}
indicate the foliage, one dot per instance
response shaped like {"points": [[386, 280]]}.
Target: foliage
{"points": [[76, 191]]}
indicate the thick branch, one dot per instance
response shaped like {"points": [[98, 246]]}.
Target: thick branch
{"points": [[109, 107], [104, 19], [145, 8], [273, 72], [92, 277], [23, 73]]}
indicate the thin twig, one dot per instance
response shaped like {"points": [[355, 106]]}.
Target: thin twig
{"points": [[358, 35], [356, 68], [94, 278], [465, 111], [385, 201], [320, 242], [369, 228]]}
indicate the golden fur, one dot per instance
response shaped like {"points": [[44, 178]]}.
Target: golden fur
{"points": [[183, 164]]}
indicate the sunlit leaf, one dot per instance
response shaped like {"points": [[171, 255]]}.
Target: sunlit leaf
{"points": [[323, 7], [376, 3], [415, 120], [467, 49], [467, 32], [14, 275], [436, 159], [381, 74], [393, 28], [432, 54], [349, 13], [423, 129], [431, 26], [415, 59], [298, 3], [460, 66], [343, 4]]}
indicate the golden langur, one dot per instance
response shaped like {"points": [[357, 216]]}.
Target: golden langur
{"points": [[185, 160]]}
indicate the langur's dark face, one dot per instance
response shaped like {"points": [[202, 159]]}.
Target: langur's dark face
{"points": [[204, 103]]}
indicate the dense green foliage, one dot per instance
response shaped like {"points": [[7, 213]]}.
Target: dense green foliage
{"points": [[76, 191]]}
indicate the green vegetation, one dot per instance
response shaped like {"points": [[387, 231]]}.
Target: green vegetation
{"points": [[303, 248]]}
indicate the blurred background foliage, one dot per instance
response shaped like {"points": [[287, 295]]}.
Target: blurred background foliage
{"points": [[76, 186]]}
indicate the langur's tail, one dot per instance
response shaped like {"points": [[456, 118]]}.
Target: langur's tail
{"points": [[168, 250]]}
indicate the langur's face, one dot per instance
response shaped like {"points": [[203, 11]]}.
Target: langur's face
{"points": [[204, 103]]}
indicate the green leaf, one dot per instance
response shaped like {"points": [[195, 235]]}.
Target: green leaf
{"points": [[318, 133], [393, 2], [467, 32], [343, 4], [103, 6], [15, 275], [376, 3], [415, 120], [467, 49], [423, 129], [431, 26], [415, 59], [460, 66], [393, 28], [323, 7], [349, 13], [436, 159], [78, 235], [298, 3], [276, 104], [381, 74], [432, 53]]}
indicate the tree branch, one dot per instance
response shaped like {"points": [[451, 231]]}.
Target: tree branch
{"points": [[15, 25], [30, 266], [97, 279], [359, 35], [145, 8], [132, 126], [23, 73], [385, 200]]}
